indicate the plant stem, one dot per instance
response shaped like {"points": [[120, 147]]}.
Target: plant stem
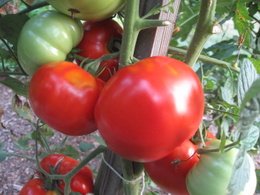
{"points": [[33, 7], [67, 178], [13, 55], [130, 33], [203, 30], [132, 171], [205, 59]]}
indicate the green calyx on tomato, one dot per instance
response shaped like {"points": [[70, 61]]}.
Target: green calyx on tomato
{"points": [[82, 182], [36, 187], [98, 40], [63, 95], [47, 37], [147, 109], [88, 9], [213, 172], [170, 172]]}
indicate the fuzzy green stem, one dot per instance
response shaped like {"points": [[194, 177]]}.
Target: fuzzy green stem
{"points": [[67, 177], [130, 33], [13, 55], [205, 59], [227, 147], [33, 7], [132, 171], [203, 30]]}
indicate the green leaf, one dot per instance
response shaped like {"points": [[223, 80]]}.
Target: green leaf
{"points": [[256, 63], [70, 151], [3, 155], [3, 2], [23, 109], [17, 86], [84, 147], [242, 20], [251, 139], [99, 140], [187, 19], [246, 77], [11, 26], [24, 142], [4, 53], [224, 7], [1, 146], [228, 91], [253, 92], [46, 131], [258, 181], [243, 171]]}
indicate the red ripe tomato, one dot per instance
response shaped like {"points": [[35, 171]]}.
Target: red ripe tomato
{"points": [[147, 109], [36, 187], [63, 95], [82, 182], [99, 39], [170, 172]]}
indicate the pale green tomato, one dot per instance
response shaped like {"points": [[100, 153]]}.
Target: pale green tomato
{"points": [[212, 174], [47, 37], [94, 10]]}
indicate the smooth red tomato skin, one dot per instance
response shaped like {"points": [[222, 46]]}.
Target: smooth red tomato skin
{"points": [[96, 42], [35, 187], [63, 95], [172, 177], [149, 108], [82, 182]]}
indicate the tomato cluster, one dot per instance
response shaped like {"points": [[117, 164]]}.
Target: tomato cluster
{"points": [[81, 183], [146, 112]]}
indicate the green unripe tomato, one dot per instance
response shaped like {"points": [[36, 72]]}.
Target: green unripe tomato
{"points": [[47, 37], [212, 174], [94, 10]]}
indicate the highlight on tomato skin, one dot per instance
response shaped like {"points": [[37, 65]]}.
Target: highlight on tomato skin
{"points": [[147, 109], [170, 172], [63, 95]]}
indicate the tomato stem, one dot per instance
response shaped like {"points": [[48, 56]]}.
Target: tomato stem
{"points": [[132, 171], [204, 58], [33, 7], [203, 30], [130, 33], [227, 147]]}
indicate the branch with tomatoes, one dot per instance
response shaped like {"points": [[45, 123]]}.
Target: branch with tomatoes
{"points": [[85, 77]]}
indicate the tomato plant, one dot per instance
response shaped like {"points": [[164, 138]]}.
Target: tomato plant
{"points": [[88, 9], [64, 95], [82, 182], [36, 187], [214, 170], [47, 37], [147, 109], [98, 40], [170, 172]]}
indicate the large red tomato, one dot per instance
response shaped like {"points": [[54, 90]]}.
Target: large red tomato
{"points": [[82, 182], [149, 108], [36, 187], [100, 38], [170, 172], [63, 95]]}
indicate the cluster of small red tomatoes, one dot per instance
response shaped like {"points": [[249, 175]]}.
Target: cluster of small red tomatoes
{"points": [[146, 112]]}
